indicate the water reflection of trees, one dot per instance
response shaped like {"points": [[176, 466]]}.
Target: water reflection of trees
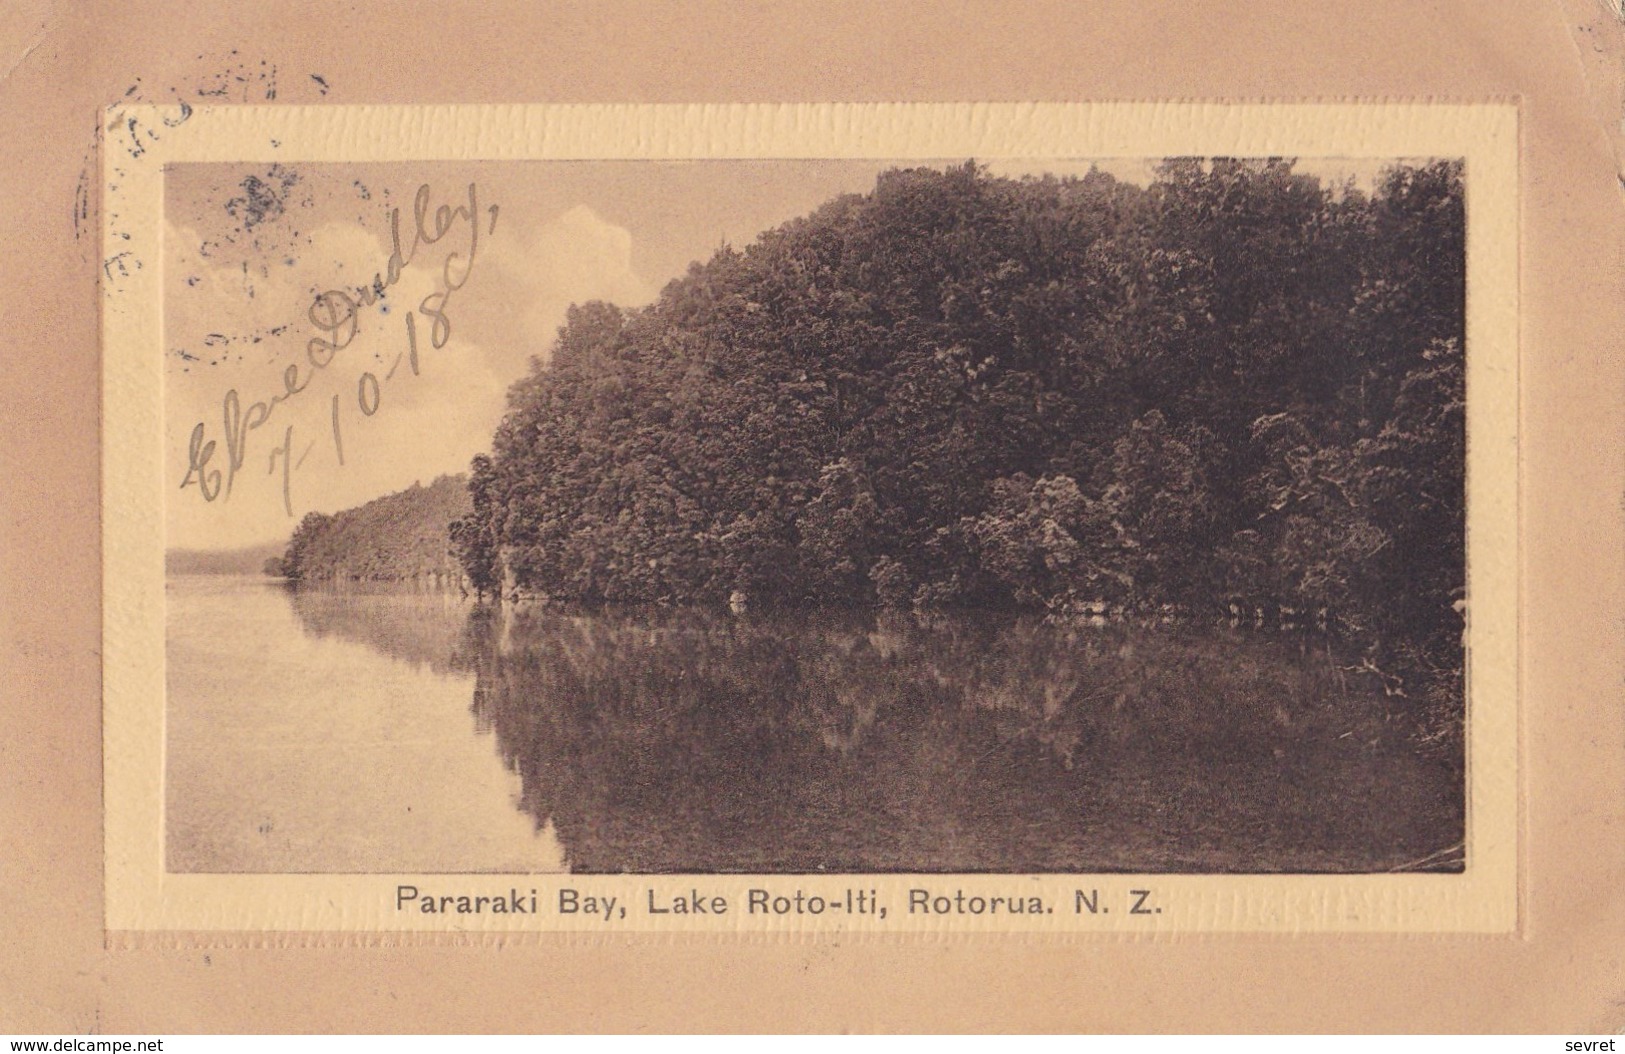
{"points": [[413, 626], [669, 742]]}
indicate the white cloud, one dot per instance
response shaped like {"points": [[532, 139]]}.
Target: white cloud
{"points": [[218, 338], [574, 257]]}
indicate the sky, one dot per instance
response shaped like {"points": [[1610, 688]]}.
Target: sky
{"points": [[262, 271]]}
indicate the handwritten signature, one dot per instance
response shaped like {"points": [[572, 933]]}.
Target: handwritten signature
{"points": [[336, 316]]}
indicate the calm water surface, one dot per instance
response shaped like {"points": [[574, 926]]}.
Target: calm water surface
{"points": [[322, 731], [329, 734]]}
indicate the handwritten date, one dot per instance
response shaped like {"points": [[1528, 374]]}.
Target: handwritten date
{"points": [[336, 315]]}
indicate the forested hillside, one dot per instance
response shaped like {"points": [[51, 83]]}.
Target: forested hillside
{"points": [[1235, 386], [249, 560], [396, 538]]}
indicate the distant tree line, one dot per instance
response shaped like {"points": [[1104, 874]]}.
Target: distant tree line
{"points": [[1236, 386], [396, 538], [246, 560]]}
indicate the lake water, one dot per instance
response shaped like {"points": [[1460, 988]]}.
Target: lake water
{"points": [[318, 731]]}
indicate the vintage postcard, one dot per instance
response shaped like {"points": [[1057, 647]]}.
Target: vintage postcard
{"points": [[1066, 519]]}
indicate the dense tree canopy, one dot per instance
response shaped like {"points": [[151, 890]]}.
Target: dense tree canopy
{"points": [[1237, 384], [395, 538]]}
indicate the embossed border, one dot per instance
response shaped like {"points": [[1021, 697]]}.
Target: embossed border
{"points": [[141, 140]]}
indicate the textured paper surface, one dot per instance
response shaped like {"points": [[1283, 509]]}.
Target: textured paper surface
{"points": [[1560, 970]]}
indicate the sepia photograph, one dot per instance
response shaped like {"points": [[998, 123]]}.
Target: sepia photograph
{"points": [[594, 518], [1048, 516]]}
